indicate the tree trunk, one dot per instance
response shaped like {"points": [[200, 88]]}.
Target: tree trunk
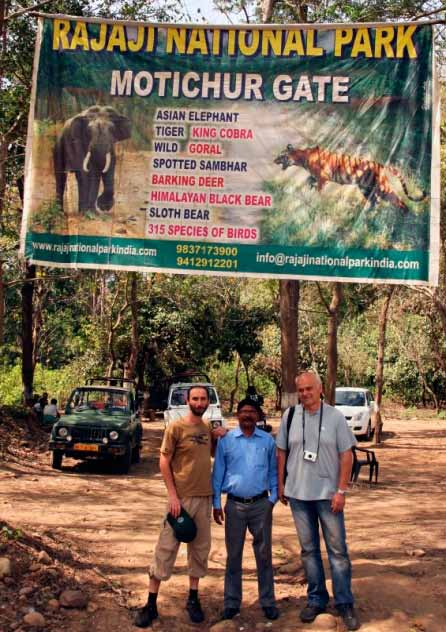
{"points": [[289, 303], [267, 10], [332, 344], [113, 325], [40, 297], [278, 404], [379, 377], [246, 367], [234, 390], [27, 333], [132, 360], [3, 138], [289, 298], [3, 157], [2, 304]]}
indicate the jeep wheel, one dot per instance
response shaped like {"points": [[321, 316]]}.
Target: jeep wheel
{"points": [[122, 464], [136, 454], [56, 459]]}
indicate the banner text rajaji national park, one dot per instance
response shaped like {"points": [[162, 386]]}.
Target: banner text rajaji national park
{"points": [[271, 151]]}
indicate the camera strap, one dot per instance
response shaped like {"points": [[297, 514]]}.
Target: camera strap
{"points": [[288, 426], [321, 412]]}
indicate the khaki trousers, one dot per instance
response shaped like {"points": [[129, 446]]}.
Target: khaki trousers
{"points": [[166, 550]]}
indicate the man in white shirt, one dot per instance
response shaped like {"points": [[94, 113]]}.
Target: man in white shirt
{"points": [[50, 410]]}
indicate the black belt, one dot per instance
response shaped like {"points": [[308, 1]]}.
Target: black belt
{"points": [[248, 501]]}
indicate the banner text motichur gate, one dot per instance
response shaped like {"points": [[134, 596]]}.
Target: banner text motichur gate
{"points": [[296, 151]]}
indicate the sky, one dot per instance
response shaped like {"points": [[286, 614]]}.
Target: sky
{"points": [[206, 10]]}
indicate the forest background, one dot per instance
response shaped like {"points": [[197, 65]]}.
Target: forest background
{"points": [[59, 327]]}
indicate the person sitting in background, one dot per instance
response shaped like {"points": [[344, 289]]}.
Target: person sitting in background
{"points": [[37, 408], [43, 401], [50, 410]]}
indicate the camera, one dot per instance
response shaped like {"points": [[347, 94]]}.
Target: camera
{"points": [[216, 423], [310, 456]]}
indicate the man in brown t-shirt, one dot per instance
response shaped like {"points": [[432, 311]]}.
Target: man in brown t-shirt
{"points": [[185, 464]]}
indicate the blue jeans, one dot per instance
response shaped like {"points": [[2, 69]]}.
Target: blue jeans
{"points": [[308, 514]]}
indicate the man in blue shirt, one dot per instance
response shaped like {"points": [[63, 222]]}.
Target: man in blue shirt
{"points": [[245, 469]]}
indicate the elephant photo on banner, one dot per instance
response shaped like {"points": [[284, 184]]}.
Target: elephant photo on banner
{"points": [[86, 147]]}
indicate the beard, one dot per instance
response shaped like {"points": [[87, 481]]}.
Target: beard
{"points": [[198, 411]]}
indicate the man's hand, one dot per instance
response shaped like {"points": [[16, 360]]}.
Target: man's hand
{"points": [[338, 503], [281, 493], [218, 432], [219, 516], [174, 506]]}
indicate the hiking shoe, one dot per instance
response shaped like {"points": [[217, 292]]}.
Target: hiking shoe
{"points": [[349, 616], [310, 612], [145, 616], [230, 613], [193, 607], [271, 612]]}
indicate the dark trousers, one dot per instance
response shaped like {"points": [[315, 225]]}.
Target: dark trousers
{"points": [[257, 518]]}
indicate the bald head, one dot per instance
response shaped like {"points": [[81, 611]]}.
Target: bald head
{"points": [[309, 390]]}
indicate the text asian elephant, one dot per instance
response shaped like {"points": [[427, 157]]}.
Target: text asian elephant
{"points": [[86, 146]]}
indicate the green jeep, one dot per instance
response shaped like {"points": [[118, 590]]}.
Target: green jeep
{"points": [[100, 422]]}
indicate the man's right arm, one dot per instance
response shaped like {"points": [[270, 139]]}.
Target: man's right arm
{"points": [[281, 459], [166, 473], [218, 475]]}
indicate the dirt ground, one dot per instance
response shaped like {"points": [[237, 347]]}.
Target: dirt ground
{"points": [[396, 533]]}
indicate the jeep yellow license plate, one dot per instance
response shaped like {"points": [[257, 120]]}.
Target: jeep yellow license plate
{"points": [[86, 447]]}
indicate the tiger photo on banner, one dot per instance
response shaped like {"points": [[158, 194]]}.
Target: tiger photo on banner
{"points": [[283, 151]]}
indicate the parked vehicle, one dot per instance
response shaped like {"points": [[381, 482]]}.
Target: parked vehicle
{"points": [[357, 406], [159, 391], [100, 422], [177, 406]]}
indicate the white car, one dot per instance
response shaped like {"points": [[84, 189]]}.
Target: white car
{"points": [[177, 406], [358, 407]]}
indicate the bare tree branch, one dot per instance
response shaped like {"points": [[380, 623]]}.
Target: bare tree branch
{"points": [[17, 14], [426, 15]]}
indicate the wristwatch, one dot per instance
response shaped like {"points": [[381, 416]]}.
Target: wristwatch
{"points": [[342, 491]]}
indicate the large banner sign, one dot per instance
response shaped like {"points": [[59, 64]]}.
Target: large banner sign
{"points": [[298, 151]]}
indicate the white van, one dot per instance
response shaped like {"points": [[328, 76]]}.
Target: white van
{"points": [[177, 406]]}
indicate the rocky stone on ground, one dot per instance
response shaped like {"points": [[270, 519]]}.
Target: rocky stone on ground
{"points": [[416, 553], [290, 568], [325, 622], [26, 590], [73, 599], [44, 558], [5, 566], [34, 619], [224, 626]]}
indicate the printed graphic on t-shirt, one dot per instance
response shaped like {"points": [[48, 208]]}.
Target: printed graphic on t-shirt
{"points": [[201, 439]]}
